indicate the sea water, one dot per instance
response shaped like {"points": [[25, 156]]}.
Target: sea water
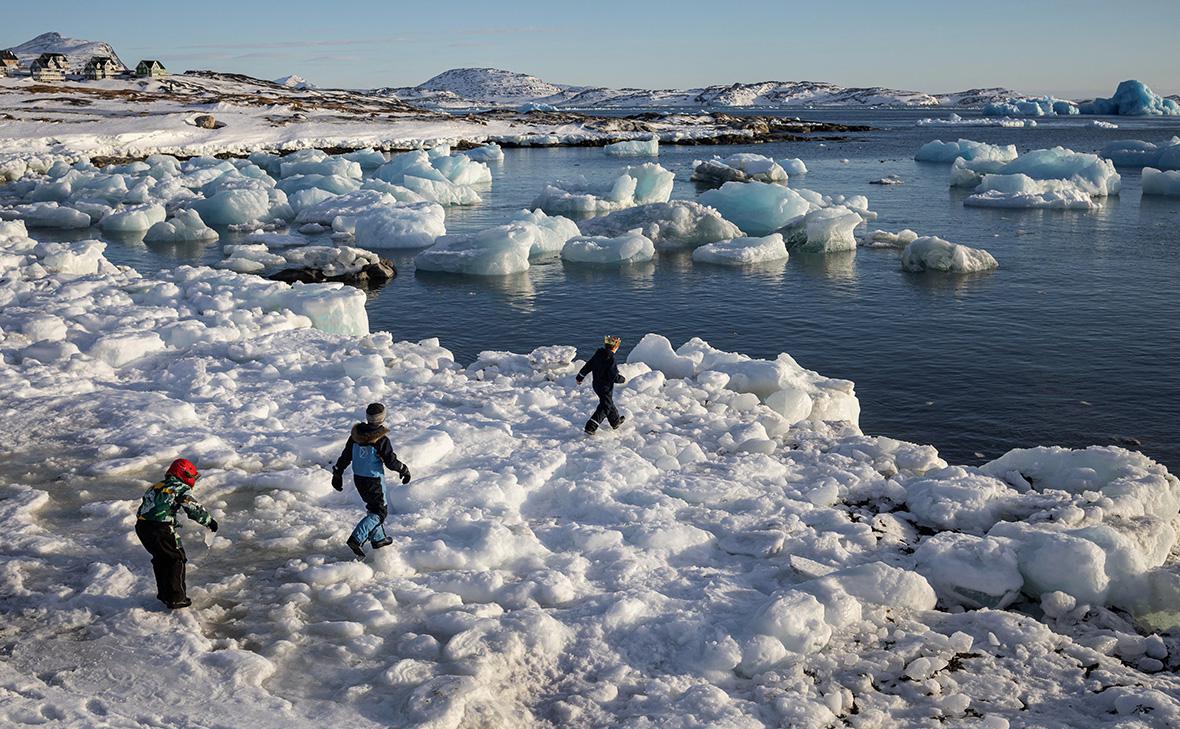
{"points": [[1073, 341]]}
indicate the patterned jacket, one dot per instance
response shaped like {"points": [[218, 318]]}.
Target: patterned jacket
{"points": [[162, 501]]}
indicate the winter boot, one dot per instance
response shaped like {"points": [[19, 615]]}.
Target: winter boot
{"points": [[591, 427], [356, 548], [618, 422], [178, 604], [382, 542]]}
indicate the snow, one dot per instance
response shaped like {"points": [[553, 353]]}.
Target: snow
{"points": [[185, 225], [639, 185], [1161, 182], [670, 225], [940, 151], [493, 604], [935, 254], [1137, 153], [743, 251], [634, 148], [740, 167], [758, 208]]}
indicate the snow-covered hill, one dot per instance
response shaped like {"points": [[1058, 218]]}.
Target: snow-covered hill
{"points": [[295, 81], [494, 87], [76, 51], [490, 84]]}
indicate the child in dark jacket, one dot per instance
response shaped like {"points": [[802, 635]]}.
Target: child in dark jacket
{"points": [[369, 452], [155, 525], [606, 376]]}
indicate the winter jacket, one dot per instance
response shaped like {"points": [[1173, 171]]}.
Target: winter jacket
{"points": [[162, 501], [369, 452], [605, 369]]}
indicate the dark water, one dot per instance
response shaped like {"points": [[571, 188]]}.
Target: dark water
{"points": [[1075, 340]]}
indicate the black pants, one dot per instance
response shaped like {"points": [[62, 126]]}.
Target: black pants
{"points": [[168, 558], [373, 494], [606, 409]]}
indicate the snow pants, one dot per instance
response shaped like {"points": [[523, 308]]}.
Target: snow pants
{"points": [[168, 558], [372, 527], [606, 409]]}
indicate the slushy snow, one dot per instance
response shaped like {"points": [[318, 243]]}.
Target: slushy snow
{"points": [[743, 556]]}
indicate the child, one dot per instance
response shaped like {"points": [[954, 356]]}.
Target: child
{"points": [[155, 525], [606, 376], [370, 453]]}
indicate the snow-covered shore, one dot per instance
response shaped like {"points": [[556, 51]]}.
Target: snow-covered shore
{"points": [[739, 555], [123, 119]]}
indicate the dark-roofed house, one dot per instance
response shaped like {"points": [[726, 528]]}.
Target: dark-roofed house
{"points": [[8, 62], [100, 67], [150, 69], [49, 67]]}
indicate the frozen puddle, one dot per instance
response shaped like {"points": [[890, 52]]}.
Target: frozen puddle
{"points": [[739, 554]]}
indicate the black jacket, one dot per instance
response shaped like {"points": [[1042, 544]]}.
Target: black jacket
{"points": [[374, 435], [605, 369]]}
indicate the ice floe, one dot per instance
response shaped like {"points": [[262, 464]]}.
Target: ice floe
{"points": [[631, 247], [931, 253], [637, 185], [743, 251]]}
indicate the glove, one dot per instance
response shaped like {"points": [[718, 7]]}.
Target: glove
{"points": [[406, 476], [579, 379], [337, 481], [212, 525]]}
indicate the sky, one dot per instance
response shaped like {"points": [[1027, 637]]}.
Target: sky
{"points": [[1072, 48]]}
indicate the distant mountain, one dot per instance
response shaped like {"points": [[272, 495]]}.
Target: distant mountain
{"points": [[461, 87], [77, 52], [488, 84], [295, 81]]}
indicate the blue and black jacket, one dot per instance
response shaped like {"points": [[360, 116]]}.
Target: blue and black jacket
{"points": [[369, 452]]}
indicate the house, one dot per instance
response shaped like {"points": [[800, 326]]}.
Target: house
{"points": [[100, 67], [9, 63], [150, 69], [49, 67]]}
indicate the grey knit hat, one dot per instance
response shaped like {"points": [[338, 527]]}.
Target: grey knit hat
{"points": [[375, 414]]}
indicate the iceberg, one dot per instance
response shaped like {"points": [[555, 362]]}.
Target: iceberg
{"points": [[490, 152], [185, 225], [403, 225], [441, 176], [497, 251], [1161, 182], [47, 215], [1042, 106], [1132, 98], [1137, 153], [935, 254], [793, 166], [634, 148], [638, 185], [552, 231], [1021, 191], [940, 151], [670, 225], [830, 230], [133, 218], [758, 208], [743, 251], [632, 247], [740, 167]]}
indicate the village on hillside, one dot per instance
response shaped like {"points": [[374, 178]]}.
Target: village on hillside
{"points": [[56, 67]]}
